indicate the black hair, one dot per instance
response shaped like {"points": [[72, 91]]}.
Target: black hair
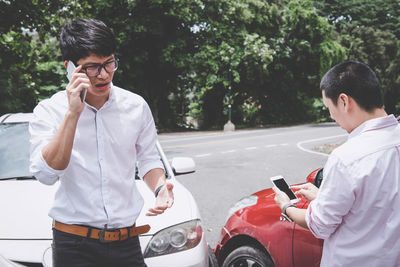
{"points": [[82, 37], [354, 79]]}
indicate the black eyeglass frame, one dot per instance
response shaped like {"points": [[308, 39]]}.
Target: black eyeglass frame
{"points": [[102, 66]]}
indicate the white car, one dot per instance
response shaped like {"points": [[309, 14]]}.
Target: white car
{"points": [[176, 237]]}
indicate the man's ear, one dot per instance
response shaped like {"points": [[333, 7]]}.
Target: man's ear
{"points": [[66, 64], [345, 102]]}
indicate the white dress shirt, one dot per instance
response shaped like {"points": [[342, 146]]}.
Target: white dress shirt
{"points": [[357, 209], [98, 187]]}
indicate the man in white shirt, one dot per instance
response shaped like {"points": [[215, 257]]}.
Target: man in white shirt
{"points": [[91, 146], [356, 208]]}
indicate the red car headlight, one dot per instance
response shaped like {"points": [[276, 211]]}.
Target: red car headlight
{"points": [[241, 204]]}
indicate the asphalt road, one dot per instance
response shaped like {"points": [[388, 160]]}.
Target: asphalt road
{"points": [[232, 165]]}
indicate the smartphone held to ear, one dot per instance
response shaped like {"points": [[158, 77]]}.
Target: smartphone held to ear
{"points": [[280, 182], [70, 69]]}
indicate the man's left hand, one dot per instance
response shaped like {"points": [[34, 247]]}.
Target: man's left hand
{"points": [[280, 197], [164, 200]]}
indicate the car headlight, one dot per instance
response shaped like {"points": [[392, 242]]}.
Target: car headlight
{"points": [[241, 204], [176, 238]]}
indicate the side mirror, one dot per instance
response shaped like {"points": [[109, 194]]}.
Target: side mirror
{"points": [[316, 177], [183, 165]]}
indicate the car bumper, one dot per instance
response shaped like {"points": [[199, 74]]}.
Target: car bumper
{"points": [[24, 250], [225, 236], [6, 263]]}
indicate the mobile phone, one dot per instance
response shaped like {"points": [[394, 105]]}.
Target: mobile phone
{"points": [[280, 182], [70, 69]]}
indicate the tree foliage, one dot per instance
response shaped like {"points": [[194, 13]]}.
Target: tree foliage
{"points": [[264, 58], [30, 65], [198, 57], [370, 31]]}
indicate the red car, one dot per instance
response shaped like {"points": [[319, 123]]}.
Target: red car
{"points": [[254, 235]]}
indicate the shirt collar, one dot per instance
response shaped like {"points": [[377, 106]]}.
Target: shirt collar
{"points": [[111, 97], [374, 124], [110, 100]]}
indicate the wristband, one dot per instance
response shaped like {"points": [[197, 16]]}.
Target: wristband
{"points": [[284, 214], [158, 190]]}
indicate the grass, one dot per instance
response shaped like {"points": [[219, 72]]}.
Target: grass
{"points": [[326, 148]]}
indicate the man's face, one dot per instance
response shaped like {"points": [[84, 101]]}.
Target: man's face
{"points": [[337, 112], [101, 83]]}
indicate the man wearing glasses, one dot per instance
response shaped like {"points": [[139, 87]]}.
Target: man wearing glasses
{"points": [[90, 145]]}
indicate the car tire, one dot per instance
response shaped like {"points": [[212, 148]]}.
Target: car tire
{"points": [[212, 259], [247, 256]]}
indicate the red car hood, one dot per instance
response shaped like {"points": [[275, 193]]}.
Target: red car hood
{"points": [[263, 215]]}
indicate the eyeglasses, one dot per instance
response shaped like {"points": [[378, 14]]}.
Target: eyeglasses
{"points": [[95, 70]]}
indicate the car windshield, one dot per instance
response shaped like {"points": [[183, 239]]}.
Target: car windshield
{"points": [[14, 150]]}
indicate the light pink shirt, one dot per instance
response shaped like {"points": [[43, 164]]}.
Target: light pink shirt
{"points": [[357, 210]]}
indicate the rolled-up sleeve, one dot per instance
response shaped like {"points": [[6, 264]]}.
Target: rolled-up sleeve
{"points": [[334, 200], [147, 154], [42, 129]]}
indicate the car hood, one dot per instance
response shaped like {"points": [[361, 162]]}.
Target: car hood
{"points": [[184, 208], [266, 193], [266, 198], [25, 206], [261, 213]]}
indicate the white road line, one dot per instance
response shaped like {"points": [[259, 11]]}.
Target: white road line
{"points": [[203, 155], [268, 146], [284, 144], [264, 133], [299, 144], [173, 138], [228, 151], [251, 148]]}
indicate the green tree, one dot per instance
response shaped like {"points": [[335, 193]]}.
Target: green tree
{"points": [[30, 64], [370, 30], [263, 55], [185, 57], [155, 45]]}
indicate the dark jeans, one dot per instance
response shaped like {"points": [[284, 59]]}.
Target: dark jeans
{"points": [[75, 251]]}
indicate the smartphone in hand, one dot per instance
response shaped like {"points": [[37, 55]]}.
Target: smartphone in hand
{"points": [[280, 182], [70, 69]]}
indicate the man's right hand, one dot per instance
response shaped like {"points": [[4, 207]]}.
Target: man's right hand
{"points": [[57, 152], [306, 191], [79, 81]]}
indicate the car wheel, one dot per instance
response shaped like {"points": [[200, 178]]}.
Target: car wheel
{"points": [[247, 256], [212, 260]]}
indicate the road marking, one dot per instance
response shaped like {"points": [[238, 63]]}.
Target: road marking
{"points": [[189, 137], [284, 144], [203, 155], [251, 148], [227, 136], [268, 146], [228, 151], [299, 144]]}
